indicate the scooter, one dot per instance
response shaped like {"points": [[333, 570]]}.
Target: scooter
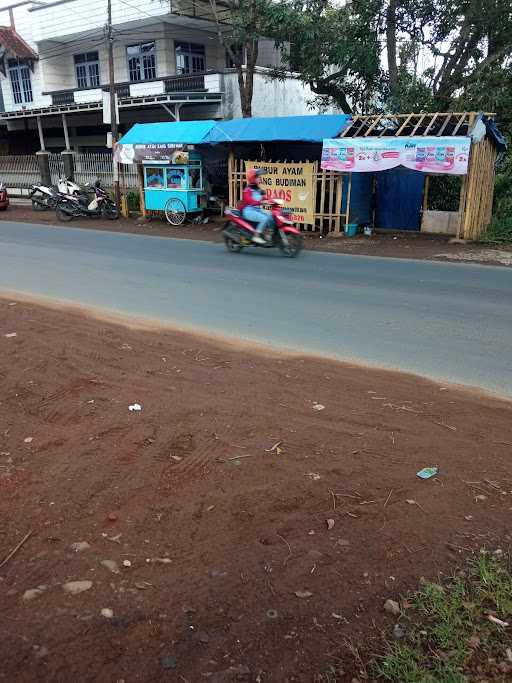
{"points": [[283, 234], [74, 206], [43, 197]]}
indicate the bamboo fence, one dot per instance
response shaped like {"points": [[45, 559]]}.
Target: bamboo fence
{"points": [[331, 211]]}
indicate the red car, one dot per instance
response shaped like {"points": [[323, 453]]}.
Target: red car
{"points": [[4, 198]]}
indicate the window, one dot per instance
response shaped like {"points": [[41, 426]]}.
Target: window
{"points": [[87, 70], [190, 58], [20, 82], [155, 178], [141, 61]]}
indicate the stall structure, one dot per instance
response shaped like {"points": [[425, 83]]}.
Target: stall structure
{"points": [[331, 171], [289, 148], [172, 178], [426, 144]]}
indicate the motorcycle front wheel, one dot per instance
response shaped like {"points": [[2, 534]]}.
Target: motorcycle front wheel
{"points": [[63, 215], [292, 247], [110, 212]]}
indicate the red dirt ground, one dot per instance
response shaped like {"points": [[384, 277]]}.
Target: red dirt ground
{"points": [[221, 531], [411, 245]]}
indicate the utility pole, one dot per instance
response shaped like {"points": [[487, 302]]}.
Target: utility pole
{"points": [[113, 109]]}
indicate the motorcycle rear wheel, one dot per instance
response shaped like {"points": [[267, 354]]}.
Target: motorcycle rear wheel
{"points": [[63, 215], [294, 246]]}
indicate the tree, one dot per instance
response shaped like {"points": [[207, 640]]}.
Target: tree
{"points": [[334, 49], [462, 43], [241, 24]]}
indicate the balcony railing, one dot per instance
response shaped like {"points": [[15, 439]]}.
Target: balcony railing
{"points": [[123, 90], [64, 97], [185, 83], [173, 84]]}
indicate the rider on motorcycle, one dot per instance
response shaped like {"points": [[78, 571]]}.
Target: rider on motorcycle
{"points": [[252, 200]]}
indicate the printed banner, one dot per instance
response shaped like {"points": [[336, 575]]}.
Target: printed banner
{"points": [[433, 155], [292, 183], [131, 154]]}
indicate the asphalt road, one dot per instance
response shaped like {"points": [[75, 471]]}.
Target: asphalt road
{"points": [[448, 321]]}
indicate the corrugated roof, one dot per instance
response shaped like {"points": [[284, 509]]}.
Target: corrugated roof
{"points": [[15, 44], [184, 132]]}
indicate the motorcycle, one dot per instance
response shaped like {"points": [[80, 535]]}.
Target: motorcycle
{"points": [[44, 197], [282, 234], [73, 206]]}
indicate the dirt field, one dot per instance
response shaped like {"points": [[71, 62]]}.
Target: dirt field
{"points": [[411, 245], [222, 566]]}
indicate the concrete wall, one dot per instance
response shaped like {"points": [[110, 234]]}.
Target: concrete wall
{"points": [[440, 222], [270, 97]]}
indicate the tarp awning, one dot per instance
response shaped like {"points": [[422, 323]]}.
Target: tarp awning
{"points": [[180, 132], [272, 129], [279, 129]]}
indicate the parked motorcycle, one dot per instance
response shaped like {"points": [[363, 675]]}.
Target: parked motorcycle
{"points": [[282, 234], [74, 206], [43, 197]]}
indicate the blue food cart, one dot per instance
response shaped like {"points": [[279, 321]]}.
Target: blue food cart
{"points": [[175, 187], [172, 175]]}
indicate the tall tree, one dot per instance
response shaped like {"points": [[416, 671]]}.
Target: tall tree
{"points": [[334, 49], [241, 24]]}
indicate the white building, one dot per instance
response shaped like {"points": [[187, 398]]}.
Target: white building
{"points": [[168, 62]]}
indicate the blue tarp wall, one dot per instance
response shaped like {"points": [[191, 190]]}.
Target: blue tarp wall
{"points": [[399, 199]]}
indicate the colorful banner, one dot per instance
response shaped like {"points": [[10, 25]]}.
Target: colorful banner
{"points": [[131, 154], [292, 183], [433, 155]]}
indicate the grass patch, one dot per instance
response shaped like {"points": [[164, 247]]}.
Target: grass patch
{"points": [[499, 232], [449, 637]]}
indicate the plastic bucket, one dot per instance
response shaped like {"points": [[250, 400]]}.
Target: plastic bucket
{"points": [[351, 230]]}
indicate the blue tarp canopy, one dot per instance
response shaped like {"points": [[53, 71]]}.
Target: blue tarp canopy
{"points": [[272, 129], [279, 129], [181, 132]]}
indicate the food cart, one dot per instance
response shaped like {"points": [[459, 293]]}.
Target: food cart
{"points": [[171, 168], [175, 187]]}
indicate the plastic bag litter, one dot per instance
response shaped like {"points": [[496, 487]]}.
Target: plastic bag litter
{"points": [[427, 472]]}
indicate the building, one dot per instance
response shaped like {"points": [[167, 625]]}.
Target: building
{"points": [[169, 65]]}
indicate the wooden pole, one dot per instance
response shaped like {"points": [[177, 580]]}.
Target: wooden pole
{"points": [[426, 189], [142, 202], [231, 178]]}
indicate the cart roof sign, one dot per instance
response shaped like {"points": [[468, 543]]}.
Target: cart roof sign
{"points": [[163, 152]]}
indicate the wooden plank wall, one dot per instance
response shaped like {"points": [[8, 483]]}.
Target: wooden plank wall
{"points": [[329, 187]]}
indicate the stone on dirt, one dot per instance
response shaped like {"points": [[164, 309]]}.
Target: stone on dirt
{"points": [[76, 587], [33, 593], [80, 546], [111, 565], [392, 607], [107, 613]]}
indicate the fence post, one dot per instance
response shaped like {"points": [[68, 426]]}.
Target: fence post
{"points": [[69, 164], [43, 161]]}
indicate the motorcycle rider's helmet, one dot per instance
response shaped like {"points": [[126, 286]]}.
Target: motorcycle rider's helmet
{"points": [[253, 174]]}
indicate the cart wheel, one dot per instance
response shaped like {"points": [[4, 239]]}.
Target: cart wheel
{"points": [[175, 211]]}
